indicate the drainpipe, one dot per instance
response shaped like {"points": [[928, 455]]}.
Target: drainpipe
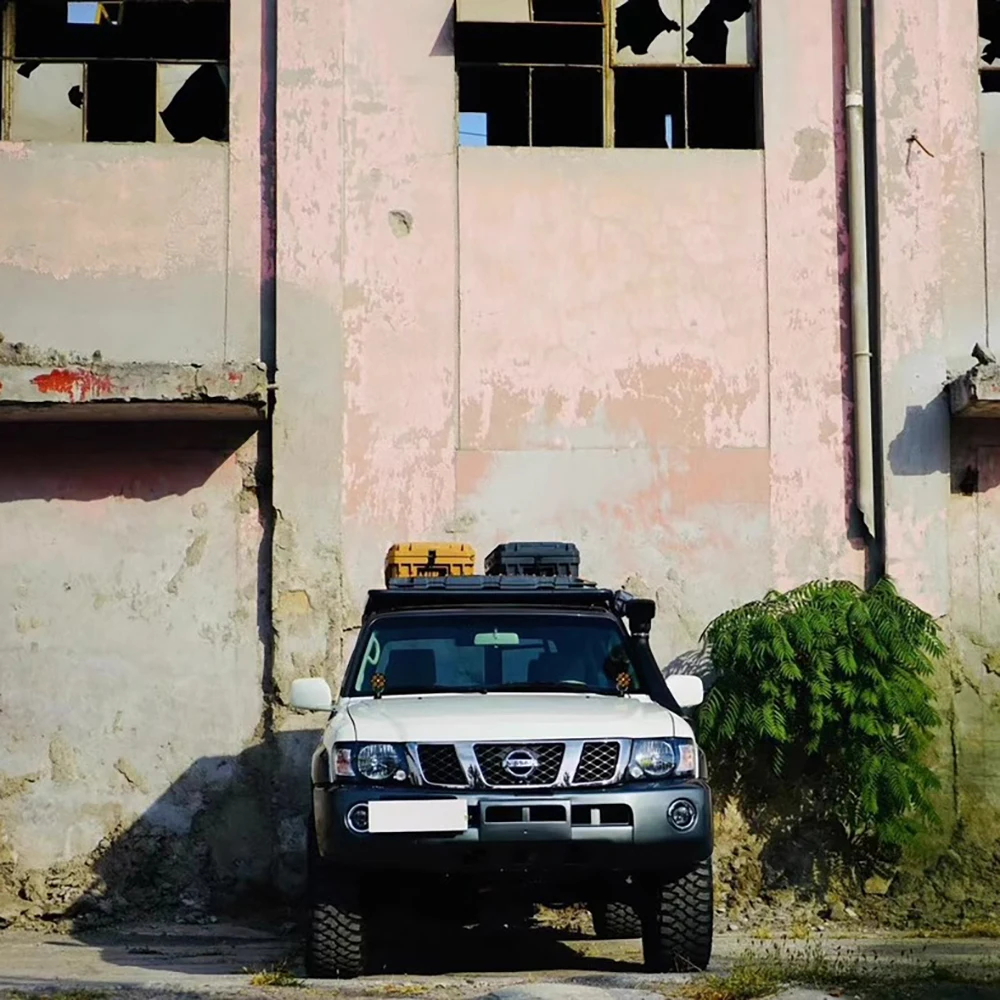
{"points": [[861, 344]]}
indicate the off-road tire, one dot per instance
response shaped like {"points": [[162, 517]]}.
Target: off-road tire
{"points": [[337, 941], [677, 929], [615, 921]]}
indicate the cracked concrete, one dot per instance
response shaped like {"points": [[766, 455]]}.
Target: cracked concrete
{"points": [[168, 961], [977, 392]]}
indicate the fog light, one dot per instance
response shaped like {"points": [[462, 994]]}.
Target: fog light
{"points": [[357, 818], [682, 814]]}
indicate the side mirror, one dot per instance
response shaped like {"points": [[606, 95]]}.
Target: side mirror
{"points": [[688, 690], [311, 694]]}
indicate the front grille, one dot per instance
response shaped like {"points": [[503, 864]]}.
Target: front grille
{"points": [[440, 764], [492, 756], [598, 763]]}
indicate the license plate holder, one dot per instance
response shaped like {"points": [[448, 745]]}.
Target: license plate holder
{"points": [[418, 816]]}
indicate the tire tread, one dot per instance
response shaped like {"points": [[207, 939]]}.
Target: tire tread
{"points": [[337, 946], [616, 921], [677, 936]]}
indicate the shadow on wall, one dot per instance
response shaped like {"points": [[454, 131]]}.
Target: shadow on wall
{"points": [[95, 461], [228, 834], [921, 447], [694, 661], [229, 826]]}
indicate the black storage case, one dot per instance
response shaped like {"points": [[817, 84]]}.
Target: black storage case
{"points": [[534, 559]]}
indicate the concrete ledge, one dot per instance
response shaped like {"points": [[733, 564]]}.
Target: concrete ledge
{"points": [[98, 391]]}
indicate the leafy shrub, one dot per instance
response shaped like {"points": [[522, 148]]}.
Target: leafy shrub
{"points": [[821, 708]]}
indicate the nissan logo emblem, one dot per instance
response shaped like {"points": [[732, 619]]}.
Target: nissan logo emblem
{"points": [[520, 763]]}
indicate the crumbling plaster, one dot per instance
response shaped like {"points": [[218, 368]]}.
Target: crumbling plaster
{"points": [[128, 650], [640, 351]]}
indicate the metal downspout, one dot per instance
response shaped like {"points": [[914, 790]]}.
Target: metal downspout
{"points": [[864, 462]]}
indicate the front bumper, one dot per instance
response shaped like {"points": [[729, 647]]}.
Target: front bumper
{"points": [[622, 829]]}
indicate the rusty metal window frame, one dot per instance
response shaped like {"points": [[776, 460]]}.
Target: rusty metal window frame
{"points": [[988, 72], [610, 66], [9, 59]]}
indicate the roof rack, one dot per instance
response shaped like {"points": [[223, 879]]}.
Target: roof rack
{"points": [[465, 591], [463, 584]]}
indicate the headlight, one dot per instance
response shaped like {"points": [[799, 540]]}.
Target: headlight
{"points": [[370, 761], [378, 761], [667, 758]]}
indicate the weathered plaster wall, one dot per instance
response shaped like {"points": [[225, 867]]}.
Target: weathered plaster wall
{"points": [[640, 351], [400, 293], [941, 539], [142, 252], [931, 269], [811, 479], [131, 652], [115, 248], [613, 346], [128, 645], [308, 418]]}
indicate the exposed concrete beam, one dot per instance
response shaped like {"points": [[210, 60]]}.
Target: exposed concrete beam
{"points": [[976, 393], [98, 391]]}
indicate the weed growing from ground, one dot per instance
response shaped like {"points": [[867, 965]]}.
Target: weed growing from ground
{"points": [[278, 975]]}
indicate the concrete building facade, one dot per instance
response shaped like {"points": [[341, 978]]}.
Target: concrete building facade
{"points": [[439, 273]]}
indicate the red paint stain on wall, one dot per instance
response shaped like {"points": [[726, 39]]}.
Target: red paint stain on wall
{"points": [[78, 384]]}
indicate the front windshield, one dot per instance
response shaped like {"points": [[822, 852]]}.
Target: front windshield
{"points": [[456, 652]]}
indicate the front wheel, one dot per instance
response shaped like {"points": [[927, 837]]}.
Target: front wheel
{"points": [[337, 942], [677, 929]]}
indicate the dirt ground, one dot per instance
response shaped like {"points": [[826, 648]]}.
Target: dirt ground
{"points": [[178, 962]]}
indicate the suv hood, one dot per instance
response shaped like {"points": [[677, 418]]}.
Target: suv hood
{"points": [[460, 718]]}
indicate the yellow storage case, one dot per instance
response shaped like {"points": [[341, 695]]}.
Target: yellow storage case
{"points": [[409, 559]]}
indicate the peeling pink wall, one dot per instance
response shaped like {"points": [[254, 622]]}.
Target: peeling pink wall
{"points": [[932, 269], [114, 248], [400, 307], [809, 432], [613, 344], [590, 344], [612, 299]]}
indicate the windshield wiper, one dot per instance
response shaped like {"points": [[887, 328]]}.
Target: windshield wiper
{"points": [[554, 687]]}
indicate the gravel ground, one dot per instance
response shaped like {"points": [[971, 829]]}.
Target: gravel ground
{"points": [[175, 962]]}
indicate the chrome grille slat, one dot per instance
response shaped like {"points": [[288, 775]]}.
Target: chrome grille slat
{"points": [[598, 762], [491, 757], [570, 763], [440, 764]]}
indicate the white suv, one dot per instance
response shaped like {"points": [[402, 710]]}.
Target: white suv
{"points": [[508, 739]]}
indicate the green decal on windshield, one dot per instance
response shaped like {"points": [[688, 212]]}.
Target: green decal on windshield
{"points": [[496, 638]]}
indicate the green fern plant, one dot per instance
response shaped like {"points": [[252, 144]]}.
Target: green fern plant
{"points": [[821, 709]]}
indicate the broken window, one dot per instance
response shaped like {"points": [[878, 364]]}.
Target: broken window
{"points": [[989, 74], [125, 71], [633, 73]]}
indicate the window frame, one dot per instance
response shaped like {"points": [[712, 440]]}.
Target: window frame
{"points": [[610, 67], [10, 60]]}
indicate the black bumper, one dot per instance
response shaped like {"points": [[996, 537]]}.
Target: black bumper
{"points": [[624, 830]]}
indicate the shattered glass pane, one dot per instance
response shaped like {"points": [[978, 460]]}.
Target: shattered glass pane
{"points": [[648, 31], [719, 32], [78, 12], [472, 130]]}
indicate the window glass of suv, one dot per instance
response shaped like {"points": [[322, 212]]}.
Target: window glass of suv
{"points": [[451, 653]]}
